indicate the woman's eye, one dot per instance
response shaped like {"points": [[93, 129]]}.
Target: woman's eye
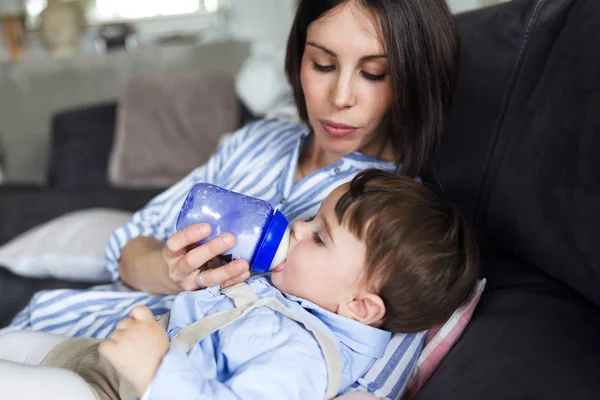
{"points": [[373, 77], [317, 239], [323, 68]]}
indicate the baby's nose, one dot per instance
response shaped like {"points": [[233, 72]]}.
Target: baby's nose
{"points": [[298, 229]]}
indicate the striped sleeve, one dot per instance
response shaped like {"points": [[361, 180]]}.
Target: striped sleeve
{"points": [[157, 218], [389, 376]]}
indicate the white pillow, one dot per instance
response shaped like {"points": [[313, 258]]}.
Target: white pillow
{"points": [[70, 247]]}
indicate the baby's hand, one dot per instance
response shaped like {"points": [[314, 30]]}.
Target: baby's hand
{"points": [[136, 348]]}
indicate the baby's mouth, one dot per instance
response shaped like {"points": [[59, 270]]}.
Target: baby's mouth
{"points": [[279, 267]]}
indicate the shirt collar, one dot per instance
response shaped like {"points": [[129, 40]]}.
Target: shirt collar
{"points": [[361, 338]]}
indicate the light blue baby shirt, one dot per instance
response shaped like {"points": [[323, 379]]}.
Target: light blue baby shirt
{"points": [[263, 355]]}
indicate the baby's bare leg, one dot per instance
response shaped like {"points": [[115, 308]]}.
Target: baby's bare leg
{"points": [[28, 347], [25, 382]]}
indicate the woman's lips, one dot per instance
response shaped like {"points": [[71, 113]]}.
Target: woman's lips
{"points": [[337, 130]]}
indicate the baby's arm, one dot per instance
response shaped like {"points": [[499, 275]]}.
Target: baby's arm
{"points": [[136, 348]]}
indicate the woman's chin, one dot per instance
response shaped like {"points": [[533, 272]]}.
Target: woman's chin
{"points": [[337, 146]]}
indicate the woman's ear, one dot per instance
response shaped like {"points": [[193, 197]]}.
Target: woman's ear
{"points": [[367, 308]]}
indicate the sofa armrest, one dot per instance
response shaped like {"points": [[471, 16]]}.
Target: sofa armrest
{"points": [[24, 207]]}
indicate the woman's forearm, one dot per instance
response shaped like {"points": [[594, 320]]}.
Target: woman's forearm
{"points": [[143, 267]]}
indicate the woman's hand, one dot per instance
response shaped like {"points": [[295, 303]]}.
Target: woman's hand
{"points": [[185, 260]]}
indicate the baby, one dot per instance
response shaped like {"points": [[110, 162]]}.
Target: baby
{"points": [[384, 254]]}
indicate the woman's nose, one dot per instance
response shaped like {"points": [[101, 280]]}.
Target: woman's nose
{"points": [[343, 92]]}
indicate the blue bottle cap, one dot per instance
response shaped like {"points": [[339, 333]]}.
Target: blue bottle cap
{"points": [[270, 243]]}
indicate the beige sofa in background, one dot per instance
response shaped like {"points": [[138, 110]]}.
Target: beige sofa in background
{"points": [[33, 91]]}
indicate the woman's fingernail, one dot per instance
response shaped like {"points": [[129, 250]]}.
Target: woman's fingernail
{"points": [[245, 275], [203, 229], [227, 239]]}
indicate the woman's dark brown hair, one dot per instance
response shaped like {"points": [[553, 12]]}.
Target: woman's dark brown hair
{"points": [[422, 45]]}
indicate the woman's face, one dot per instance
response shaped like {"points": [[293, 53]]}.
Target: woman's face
{"points": [[346, 82]]}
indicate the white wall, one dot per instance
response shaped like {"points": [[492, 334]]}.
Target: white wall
{"points": [[264, 21], [270, 20], [11, 7], [457, 6], [463, 5]]}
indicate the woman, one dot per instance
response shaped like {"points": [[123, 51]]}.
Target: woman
{"points": [[372, 80]]}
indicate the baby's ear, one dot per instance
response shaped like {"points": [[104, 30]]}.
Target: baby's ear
{"points": [[367, 308]]}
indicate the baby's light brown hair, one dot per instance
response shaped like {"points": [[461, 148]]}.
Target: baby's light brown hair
{"points": [[421, 256]]}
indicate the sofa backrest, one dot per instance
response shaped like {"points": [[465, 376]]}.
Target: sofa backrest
{"points": [[503, 52], [521, 151], [543, 201]]}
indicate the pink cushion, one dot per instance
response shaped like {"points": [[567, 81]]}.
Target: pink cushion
{"points": [[440, 340]]}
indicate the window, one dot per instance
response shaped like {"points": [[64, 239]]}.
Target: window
{"points": [[105, 11]]}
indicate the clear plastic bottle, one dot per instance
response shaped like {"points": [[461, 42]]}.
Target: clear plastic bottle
{"points": [[262, 233]]}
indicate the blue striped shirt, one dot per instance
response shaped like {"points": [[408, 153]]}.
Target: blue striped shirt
{"points": [[258, 160]]}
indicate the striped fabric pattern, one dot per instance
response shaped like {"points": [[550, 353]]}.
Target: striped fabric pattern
{"points": [[258, 160], [389, 377]]}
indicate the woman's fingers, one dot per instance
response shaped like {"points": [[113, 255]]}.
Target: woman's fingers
{"points": [[183, 264], [214, 263], [179, 241], [200, 255], [236, 280], [235, 272]]}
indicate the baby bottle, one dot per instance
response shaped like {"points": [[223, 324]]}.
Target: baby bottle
{"points": [[262, 233]]}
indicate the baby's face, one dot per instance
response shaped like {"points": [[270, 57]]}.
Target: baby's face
{"points": [[325, 261]]}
